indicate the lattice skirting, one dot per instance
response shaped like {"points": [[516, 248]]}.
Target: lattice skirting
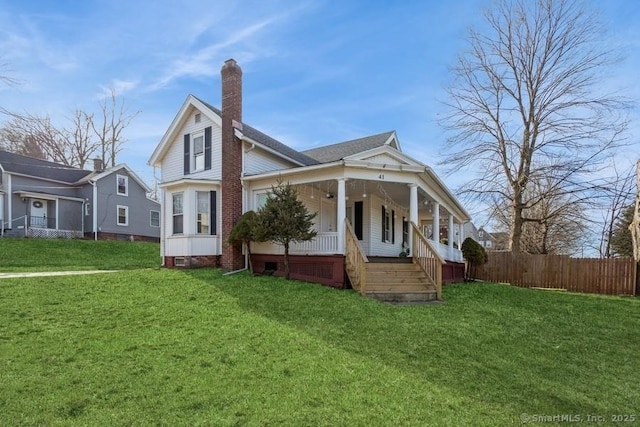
{"points": [[48, 233]]}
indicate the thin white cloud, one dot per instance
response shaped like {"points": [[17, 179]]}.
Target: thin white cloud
{"points": [[201, 63], [120, 87]]}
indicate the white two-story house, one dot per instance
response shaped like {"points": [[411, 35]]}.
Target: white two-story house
{"points": [[375, 204]]}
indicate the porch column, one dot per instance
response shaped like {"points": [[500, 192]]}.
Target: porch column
{"points": [[436, 222], [460, 235], [413, 212], [450, 235], [342, 215]]}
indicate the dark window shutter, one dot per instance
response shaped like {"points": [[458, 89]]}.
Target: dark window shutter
{"points": [[213, 217], [384, 214], [357, 220], [187, 154], [207, 148], [393, 226]]}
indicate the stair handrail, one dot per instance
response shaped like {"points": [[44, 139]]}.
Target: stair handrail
{"points": [[355, 259], [427, 257]]}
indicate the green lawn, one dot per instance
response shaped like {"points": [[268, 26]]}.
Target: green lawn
{"points": [[62, 254], [168, 347]]}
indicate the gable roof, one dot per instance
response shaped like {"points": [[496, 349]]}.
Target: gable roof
{"points": [[109, 171], [335, 152], [271, 143], [30, 166]]}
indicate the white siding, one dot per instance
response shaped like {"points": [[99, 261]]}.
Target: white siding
{"points": [[258, 161], [384, 159], [377, 246], [172, 166]]}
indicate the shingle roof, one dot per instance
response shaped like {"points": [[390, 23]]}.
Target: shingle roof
{"points": [[269, 142], [31, 166], [335, 152]]}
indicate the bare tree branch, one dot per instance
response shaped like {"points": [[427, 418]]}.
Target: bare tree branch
{"points": [[525, 108]]}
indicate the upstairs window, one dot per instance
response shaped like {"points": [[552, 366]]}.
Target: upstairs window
{"points": [[123, 185], [198, 153]]}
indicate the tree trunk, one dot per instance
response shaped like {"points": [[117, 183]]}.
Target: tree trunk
{"points": [[249, 257], [286, 260], [516, 227]]}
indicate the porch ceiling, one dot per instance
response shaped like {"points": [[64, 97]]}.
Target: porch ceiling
{"points": [[396, 194]]}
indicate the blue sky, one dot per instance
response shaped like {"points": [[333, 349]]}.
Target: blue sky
{"points": [[315, 72]]}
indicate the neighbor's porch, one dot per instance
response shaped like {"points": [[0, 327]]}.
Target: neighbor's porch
{"points": [[40, 215]]}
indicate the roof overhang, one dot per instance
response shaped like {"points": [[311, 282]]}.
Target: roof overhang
{"points": [[115, 169], [189, 182], [46, 196], [245, 138]]}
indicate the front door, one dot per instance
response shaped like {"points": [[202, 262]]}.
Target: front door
{"points": [[38, 216]]}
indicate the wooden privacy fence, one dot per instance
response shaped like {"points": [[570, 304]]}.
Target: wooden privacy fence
{"points": [[612, 276]]}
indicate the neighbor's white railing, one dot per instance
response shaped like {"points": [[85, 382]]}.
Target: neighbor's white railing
{"points": [[322, 244]]}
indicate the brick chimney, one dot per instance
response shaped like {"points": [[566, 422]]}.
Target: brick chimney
{"points": [[231, 74], [98, 166]]}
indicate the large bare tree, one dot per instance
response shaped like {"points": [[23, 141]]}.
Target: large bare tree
{"points": [[114, 118], [527, 103], [73, 145]]}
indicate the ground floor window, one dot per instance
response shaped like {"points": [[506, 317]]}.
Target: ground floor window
{"points": [[154, 220], [178, 199], [123, 215], [203, 212]]}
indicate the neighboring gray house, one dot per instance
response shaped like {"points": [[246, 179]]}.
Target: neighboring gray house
{"points": [[45, 199]]}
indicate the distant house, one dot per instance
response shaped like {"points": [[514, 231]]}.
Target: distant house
{"points": [[496, 241], [45, 199], [373, 202]]}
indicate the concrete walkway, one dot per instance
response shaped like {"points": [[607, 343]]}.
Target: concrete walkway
{"points": [[53, 273]]}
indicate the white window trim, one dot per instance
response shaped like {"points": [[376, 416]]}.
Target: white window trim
{"points": [[257, 195], [126, 215], [151, 219], [126, 185], [173, 214], [87, 209], [207, 224], [194, 136]]}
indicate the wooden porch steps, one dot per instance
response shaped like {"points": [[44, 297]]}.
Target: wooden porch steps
{"points": [[398, 282]]}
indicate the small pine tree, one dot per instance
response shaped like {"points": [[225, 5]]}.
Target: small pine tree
{"points": [[475, 254], [621, 241], [284, 219], [244, 232]]}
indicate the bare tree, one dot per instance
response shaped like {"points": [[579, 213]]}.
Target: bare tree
{"points": [[556, 222], [83, 142], [526, 105], [113, 120], [30, 131], [616, 198]]}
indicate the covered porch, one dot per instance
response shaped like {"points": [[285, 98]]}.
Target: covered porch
{"points": [[41, 215], [366, 210]]}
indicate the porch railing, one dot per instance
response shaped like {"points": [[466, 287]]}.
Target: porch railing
{"points": [[323, 243], [356, 260], [428, 258], [41, 221], [447, 253]]}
